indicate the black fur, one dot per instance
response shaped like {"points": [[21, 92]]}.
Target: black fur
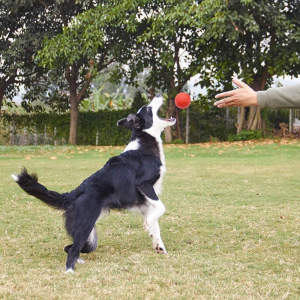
{"points": [[122, 183]]}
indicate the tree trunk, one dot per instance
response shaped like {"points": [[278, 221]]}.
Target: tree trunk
{"points": [[170, 113], [178, 130], [254, 121], [1, 98], [74, 119], [227, 117], [291, 121], [187, 125], [241, 117]]}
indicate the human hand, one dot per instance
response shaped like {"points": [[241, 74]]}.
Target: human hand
{"points": [[244, 96]]}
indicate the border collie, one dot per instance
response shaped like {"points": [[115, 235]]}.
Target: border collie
{"points": [[132, 181]]}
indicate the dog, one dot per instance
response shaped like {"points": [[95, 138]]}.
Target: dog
{"points": [[132, 181]]}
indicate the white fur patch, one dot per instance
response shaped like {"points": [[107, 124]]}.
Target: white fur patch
{"points": [[158, 184], [70, 270], [15, 177], [80, 261], [158, 209], [133, 145], [92, 237]]}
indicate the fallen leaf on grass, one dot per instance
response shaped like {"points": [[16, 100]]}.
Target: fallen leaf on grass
{"points": [[53, 157], [27, 157]]}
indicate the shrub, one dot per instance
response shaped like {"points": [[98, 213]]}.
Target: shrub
{"points": [[245, 135]]}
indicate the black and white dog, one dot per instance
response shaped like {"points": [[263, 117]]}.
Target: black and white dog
{"points": [[132, 180]]}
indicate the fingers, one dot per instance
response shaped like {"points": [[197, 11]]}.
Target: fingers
{"points": [[227, 102], [226, 94], [242, 96], [239, 83]]}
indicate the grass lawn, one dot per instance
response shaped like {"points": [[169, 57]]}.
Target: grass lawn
{"points": [[231, 227]]}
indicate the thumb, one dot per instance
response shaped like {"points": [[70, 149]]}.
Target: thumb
{"points": [[239, 83]]}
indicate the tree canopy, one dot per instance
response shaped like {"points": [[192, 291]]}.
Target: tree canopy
{"points": [[23, 26], [174, 40], [252, 40], [88, 44]]}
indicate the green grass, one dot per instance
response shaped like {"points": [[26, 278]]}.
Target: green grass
{"points": [[231, 227]]}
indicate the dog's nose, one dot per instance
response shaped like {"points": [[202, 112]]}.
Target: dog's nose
{"points": [[158, 95]]}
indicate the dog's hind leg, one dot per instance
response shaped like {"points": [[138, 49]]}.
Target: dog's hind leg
{"points": [[92, 242], [80, 220], [90, 245]]}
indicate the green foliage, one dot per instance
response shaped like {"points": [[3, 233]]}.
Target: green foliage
{"points": [[276, 116], [253, 40], [208, 122], [140, 99], [104, 101], [167, 33], [103, 122], [23, 26], [246, 135], [177, 141]]}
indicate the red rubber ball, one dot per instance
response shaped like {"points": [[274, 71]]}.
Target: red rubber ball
{"points": [[183, 100]]}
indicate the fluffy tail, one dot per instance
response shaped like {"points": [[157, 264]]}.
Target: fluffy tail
{"points": [[29, 183]]}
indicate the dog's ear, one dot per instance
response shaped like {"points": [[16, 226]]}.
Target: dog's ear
{"points": [[137, 121], [125, 123], [133, 121]]}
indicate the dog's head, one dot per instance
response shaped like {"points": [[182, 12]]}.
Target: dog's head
{"points": [[146, 119]]}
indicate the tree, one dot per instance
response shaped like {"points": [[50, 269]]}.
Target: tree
{"points": [[163, 35], [88, 43], [252, 40], [23, 26], [167, 34]]}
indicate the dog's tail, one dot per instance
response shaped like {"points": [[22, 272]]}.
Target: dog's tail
{"points": [[29, 183]]}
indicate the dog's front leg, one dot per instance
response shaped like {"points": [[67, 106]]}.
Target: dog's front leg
{"points": [[155, 209], [157, 242]]}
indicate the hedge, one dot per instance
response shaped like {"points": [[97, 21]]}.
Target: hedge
{"points": [[57, 126]]}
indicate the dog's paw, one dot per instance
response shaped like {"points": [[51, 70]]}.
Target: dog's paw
{"points": [[160, 250], [80, 261], [70, 270]]}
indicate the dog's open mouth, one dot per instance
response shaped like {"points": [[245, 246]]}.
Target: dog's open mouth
{"points": [[169, 120]]}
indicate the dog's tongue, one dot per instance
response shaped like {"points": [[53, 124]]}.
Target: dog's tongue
{"points": [[171, 119]]}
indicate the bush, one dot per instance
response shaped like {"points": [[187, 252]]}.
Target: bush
{"points": [[177, 141], [245, 135], [56, 127]]}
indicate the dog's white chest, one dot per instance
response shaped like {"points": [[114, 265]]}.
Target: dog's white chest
{"points": [[133, 145]]}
